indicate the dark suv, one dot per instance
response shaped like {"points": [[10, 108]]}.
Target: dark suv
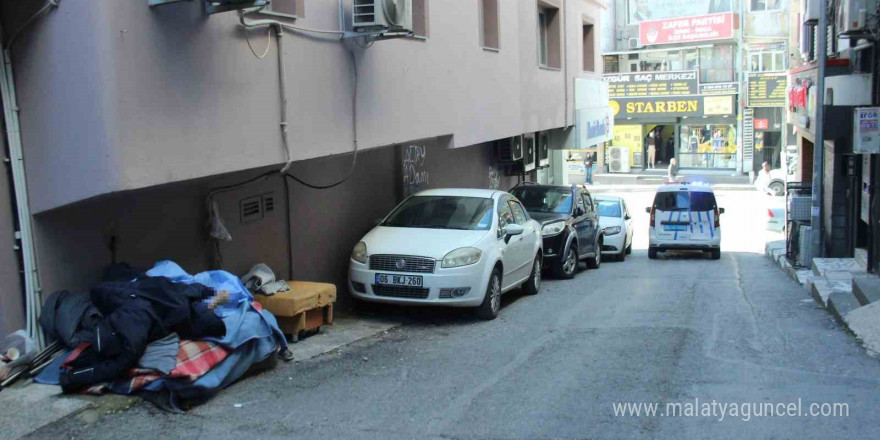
{"points": [[570, 225]]}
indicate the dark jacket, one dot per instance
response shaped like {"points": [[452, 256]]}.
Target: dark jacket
{"points": [[137, 313], [69, 317]]}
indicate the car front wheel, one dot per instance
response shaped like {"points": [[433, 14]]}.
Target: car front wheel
{"points": [[492, 301], [567, 267], [776, 188]]}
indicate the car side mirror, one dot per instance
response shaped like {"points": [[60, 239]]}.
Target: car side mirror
{"points": [[512, 230], [627, 217], [721, 210], [648, 210]]}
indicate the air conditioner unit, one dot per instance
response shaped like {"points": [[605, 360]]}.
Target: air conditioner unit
{"points": [[852, 16], [382, 15], [216, 6], [810, 11], [618, 160], [544, 150], [510, 150], [634, 43], [529, 154]]}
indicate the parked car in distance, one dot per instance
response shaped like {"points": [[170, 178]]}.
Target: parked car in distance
{"points": [[775, 214], [569, 225], [616, 223], [685, 216], [449, 247], [773, 185]]}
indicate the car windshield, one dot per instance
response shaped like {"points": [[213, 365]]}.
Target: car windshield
{"points": [[546, 200], [443, 212], [609, 208], [684, 201]]}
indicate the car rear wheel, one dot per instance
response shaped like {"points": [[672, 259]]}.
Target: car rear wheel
{"points": [[533, 285], [716, 254], [567, 267], [652, 253], [492, 301]]}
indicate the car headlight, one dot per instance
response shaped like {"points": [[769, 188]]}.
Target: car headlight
{"points": [[552, 229], [612, 230], [461, 257], [359, 253]]}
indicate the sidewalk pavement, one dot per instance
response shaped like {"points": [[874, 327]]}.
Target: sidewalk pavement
{"points": [[657, 176], [843, 287], [29, 406]]}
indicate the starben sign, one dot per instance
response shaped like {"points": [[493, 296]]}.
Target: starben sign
{"points": [[652, 107]]}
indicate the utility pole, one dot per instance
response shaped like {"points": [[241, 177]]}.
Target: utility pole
{"points": [[818, 237]]}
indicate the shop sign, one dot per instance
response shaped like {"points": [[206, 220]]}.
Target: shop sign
{"points": [[650, 84], [594, 126], [719, 89], [687, 29], [866, 130], [646, 108], [718, 105], [748, 134], [762, 124], [767, 89]]}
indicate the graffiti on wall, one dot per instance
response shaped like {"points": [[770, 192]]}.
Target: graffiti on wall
{"points": [[415, 174], [494, 178]]}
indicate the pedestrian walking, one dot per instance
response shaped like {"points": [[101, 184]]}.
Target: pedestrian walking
{"points": [[588, 168], [672, 171]]}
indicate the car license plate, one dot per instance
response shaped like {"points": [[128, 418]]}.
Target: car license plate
{"points": [[398, 280], [675, 227]]}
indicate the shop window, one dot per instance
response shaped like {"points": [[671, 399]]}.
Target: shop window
{"points": [[589, 48], [766, 61], [489, 29], [549, 24], [716, 64], [764, 5], [288, 8]]}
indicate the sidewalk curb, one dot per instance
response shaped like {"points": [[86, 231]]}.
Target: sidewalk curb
{"points": [[38, 401]]}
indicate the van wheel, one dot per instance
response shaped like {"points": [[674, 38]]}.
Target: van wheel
{"points": [[652, 253], [716, 254], [488, 310]]}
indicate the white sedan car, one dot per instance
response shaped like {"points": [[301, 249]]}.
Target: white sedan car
{"points": [[449, 247], [615, 221]]}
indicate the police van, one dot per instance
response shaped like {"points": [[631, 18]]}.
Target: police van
{"points": [[685, 216]]}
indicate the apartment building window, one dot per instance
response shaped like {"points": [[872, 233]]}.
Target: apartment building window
{"points": [[766, 61], [589, 48], [489, 22], [549, 23], [764, 5], [716, 64], [420, 18], [288, 8]]}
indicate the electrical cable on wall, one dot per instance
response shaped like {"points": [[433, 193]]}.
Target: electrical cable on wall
{"points": [[268, 45]]}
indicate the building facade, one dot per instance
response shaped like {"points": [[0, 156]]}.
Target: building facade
{"points": [[140, 125], [849, 217], [683, 74]]}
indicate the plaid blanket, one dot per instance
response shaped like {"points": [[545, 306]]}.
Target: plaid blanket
{"points": [[194, 360]]}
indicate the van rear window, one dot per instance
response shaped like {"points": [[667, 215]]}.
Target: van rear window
{"points": [[684, 201]]}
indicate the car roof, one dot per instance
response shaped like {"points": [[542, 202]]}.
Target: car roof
{"points": [[694, 187], [460, 192]]}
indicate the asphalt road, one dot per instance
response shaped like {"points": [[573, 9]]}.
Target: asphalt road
{"points": [[551, 366]]}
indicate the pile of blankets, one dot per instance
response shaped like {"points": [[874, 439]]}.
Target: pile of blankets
{"points": [[163, 332]]}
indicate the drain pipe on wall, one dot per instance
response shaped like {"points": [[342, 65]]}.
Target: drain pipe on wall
{"points": [[33, 299]]}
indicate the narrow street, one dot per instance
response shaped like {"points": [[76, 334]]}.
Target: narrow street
{"points": [[551, 366]]}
